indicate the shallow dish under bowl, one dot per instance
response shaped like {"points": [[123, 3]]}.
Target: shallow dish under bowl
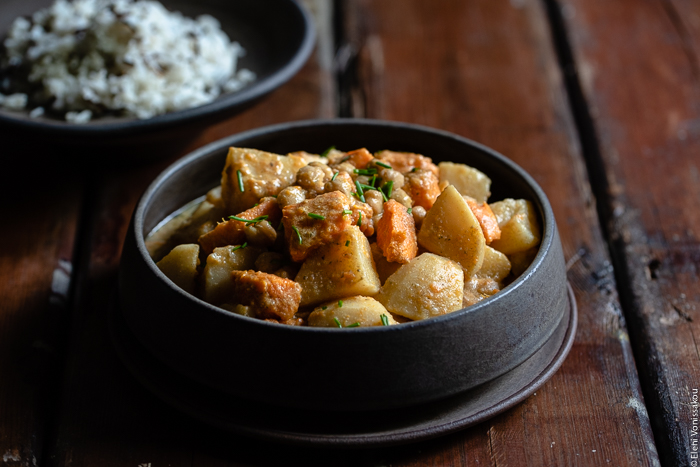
{"points": [[278, 36], [340, 369]]}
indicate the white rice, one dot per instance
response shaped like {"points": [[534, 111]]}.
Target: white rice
{"points": [[84, 58]]}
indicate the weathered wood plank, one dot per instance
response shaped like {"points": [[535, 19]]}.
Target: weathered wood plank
{"points": [[487, 70], [637, 65], [40, 218]]}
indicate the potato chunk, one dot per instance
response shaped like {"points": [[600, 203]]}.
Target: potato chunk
{"points": [[341, 268], [270, 296], [396, 233], [350, 312], [262, 174], [451, 230], [521, 260], [520, 229], [217, 272], [180, 266], [496, 265], [467, 180], [429, 285]]}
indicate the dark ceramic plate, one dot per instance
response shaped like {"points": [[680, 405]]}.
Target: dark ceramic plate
{"points": [[355, 430], [278, 36], [365, 368]]}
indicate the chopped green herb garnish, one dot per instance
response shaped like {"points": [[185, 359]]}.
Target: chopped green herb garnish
{"points": [[409, 210], [347, 242], [326, 151], [334, 175], [365, 171], [337, 323], [340, 304], [359, 219], [385, 320], [240, 181], [360, 194], [384, 196], [324, 307], [373, 180], [347, 211], [313, 215], [415, 169], [249, 221], [239, 247], [296, 231], [354, 325], [367, 187], [344, 159], [388, 188], [382, 164]]}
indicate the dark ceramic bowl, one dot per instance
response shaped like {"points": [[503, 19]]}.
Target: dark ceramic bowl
{"points": [[278, 36], [340, 369]]}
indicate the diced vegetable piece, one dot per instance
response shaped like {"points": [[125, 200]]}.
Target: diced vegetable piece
{"points": [[232, 232], [383, 266], [468, 180], [354, 312], [451, 230], [220, 264], [496, 265], [396, 233], [360, 158], [315, 222], [429, 285], [520, 229], [487, 219], [180, 266], [521, 260], [478, 288], [260, 173], [406, 161], [270, 296], [423, 188], [341, 268]]}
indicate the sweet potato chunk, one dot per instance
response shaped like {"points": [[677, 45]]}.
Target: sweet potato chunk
{"points": [[315, 222], [261, 173], [423, 188], [406, 161], [487, 219], [396, 233], [270, 296], [231, 232], [360, 158]]}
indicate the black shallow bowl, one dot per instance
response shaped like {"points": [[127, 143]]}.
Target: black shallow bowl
{"points": [[278, 36], [340, 369]]}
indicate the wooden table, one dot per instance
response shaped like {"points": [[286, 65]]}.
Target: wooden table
{"points": [[599, 101]]}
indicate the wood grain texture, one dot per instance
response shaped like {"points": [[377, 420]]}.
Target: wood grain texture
{"points": [[40, 218], [637, 63], [487, 70]]}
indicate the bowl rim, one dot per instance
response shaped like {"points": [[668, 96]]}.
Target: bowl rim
{"points": [[549, 230], [247, 94]]}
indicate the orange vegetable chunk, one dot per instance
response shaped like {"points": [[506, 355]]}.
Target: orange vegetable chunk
{"points": [[396, 233]]}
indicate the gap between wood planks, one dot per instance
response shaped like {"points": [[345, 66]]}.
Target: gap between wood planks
{"points": [[642, 346]]}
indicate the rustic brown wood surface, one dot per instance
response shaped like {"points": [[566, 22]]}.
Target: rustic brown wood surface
{"points": [[487, 70], [637, 63]]}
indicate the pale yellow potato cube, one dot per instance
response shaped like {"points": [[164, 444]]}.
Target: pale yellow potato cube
{"points": [[467, 180], [450, 229], [428, 285], [384, 268], [180, 266], [356, 311], [496, 265], [520, 229], [341, 268], [521, 260], [262, 174], [217, 272]]}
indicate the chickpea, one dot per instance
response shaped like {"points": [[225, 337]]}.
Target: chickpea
{"points": [[419, 213], [402, 197], [342, 182], [391, 175], [291, 195], [375, 200], [260, 234]]}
